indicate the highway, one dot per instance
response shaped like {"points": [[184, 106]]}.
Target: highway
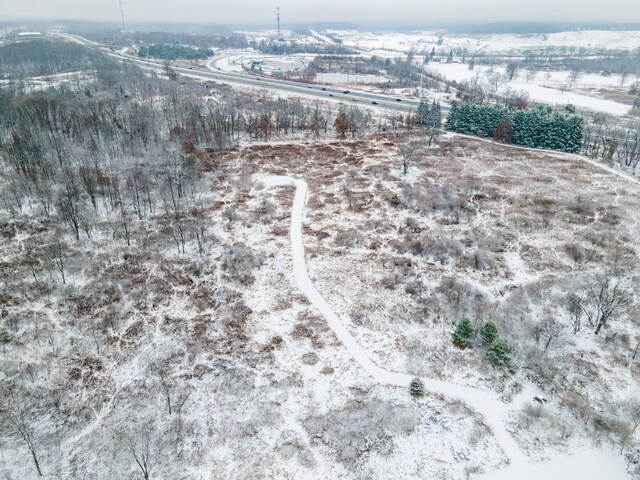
{"points": [[321, 92]]}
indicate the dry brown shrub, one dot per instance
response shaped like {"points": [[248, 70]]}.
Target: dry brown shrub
{"points": [[132, 333]]}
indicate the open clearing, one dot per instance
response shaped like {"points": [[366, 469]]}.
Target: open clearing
{"points": [[265, 389]]}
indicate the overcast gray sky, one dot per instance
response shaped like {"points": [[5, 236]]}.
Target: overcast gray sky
{"points": [[357, 11]]}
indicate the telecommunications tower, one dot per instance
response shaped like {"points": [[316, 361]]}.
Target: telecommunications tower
{"points": [[278, 20], [122, 15]]}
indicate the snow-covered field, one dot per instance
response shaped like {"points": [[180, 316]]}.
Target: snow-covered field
{"points": [[260, 384], [554, 88], [405, 42]]}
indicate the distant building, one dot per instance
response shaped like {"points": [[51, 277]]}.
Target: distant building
{"points": [[30, 36]]}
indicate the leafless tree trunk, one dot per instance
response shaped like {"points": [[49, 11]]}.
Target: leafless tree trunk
{"points": [[68, 208], [142, 451], [20, 425], [575, 312], [551, 330], [603, 301], [409, 152], [636, 349], [58, 253], [198, 224]]}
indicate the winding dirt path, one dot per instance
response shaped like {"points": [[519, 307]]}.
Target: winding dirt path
{"points": [[494, 411]]}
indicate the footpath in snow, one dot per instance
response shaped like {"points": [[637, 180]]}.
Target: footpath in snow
{"points": [[494, 411]]}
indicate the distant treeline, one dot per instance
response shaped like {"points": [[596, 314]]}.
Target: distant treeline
{"points": [[537, 27], [46, 57], [279, 48], [196, 40], [538, 127], [605, 62], [115, 37], [174, 52]]}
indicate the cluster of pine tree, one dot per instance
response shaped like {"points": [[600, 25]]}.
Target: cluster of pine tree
{"points": [[538, 127], [499, 351], [428, 115], [174, 52], [428, 118]]}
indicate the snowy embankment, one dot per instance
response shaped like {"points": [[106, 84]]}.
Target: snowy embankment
{"points": [[494, 411]]}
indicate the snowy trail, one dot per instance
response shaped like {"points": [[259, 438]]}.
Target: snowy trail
{"points": [[575, 156], [494, 411]]}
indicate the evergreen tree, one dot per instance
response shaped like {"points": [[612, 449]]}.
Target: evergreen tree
{"points": [[538, 127], [574, 133], [636, 103], [416, 387], [557, 133], [542, 128], [500, 353], [422, 113], [450, 57], [488, 333], [463, 334], [434, 117]]}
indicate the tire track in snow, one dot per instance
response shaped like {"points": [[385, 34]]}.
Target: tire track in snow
{"points": [[494, 411]]}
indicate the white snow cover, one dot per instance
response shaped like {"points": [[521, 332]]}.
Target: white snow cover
{"points": [[403, 42], [590, 464], [553, 90]]}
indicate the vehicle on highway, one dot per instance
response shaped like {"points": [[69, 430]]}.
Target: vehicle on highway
{"points": [[398, 99], [346, 91], [324, 89], [374, 103]]}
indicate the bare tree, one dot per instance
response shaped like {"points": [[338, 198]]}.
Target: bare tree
{"points": [[551, 329], [89, 180], [512, 69], [342, 124], [573, 77], [58, 254], [636, 349], [495, 80], [198, 226], [69, 209], [174, 397], [531, 74], [141, 448], [575, 312], [603, 301], [21, 425], [409, 151]]}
